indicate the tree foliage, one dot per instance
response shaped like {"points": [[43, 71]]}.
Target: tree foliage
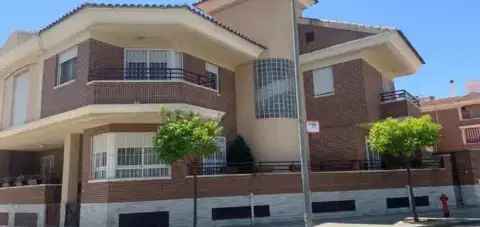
{"points": [[401, 138], [185, 135], [239, 152]]}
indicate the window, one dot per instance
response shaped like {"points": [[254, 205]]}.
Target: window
{"points": [[274, 86], [401, 202], [211, 72], [47, 165], [99, 156], [373, 158], [226, 213], [149, 64], [20, 100], [474, 113], [216, 163], [333, 206], [67, 66], [310, 37], [126, 155], [139, 162], [323, 81]]}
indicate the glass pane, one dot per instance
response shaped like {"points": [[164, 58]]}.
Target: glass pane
{"points": [[150, 157], [128, 173], [159, 71], [129, 156]]}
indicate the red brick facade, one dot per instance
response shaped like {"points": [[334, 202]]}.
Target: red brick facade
{"points": [[451, 135], [325, 37], [356, 100]]}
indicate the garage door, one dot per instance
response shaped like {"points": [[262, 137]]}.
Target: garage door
{"points": [[152, 219]]}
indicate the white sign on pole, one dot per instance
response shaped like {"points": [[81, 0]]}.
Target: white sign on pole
{"points": [[313, 126]]}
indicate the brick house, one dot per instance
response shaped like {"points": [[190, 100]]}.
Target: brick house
{"points": [[79, 102], [460, 136]]}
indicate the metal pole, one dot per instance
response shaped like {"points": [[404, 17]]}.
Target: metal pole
{"points": [[252, 209], [301, 122]]}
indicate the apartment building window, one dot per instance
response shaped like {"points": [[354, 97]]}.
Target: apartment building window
{"points": [[474, 113], [151, 64], [126, 155], [99, 156], [211, 72], [46, 165], [323, 82], [216, 163], [274, 85], [67, 66], [20, 99]]}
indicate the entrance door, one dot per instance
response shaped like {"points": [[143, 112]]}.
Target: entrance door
{"points": [[151, 219], [20, 100], [373, 158]]}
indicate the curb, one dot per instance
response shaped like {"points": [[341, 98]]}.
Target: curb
{"points": [[443, 222]]}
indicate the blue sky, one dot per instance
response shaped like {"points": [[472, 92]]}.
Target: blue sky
{"points": [[445, 32]]}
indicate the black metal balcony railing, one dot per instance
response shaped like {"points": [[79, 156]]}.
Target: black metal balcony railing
{"points": [[22, 180], [174, 74], [323, 166], [399, 95]]}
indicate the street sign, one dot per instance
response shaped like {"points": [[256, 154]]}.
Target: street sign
{"points": [[313, 126]]}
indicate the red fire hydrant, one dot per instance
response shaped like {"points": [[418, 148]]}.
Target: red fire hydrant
{"points": [[446, 211]]}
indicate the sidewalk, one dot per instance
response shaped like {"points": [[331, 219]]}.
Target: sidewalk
{"points": [[384, 219]]}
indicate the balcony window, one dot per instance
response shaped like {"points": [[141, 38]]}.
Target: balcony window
{"points": [[149, 64], [126, 156], [211, 72], [474, 113], [323, 82], [67, 66], [216, 163]]}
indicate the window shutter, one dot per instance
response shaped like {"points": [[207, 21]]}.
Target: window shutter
{"points": [[323, 81]]}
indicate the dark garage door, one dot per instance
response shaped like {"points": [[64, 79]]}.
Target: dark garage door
{"points": [[152, 219]]}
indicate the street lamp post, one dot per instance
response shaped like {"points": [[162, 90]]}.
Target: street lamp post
{"points": [[301, 122]]}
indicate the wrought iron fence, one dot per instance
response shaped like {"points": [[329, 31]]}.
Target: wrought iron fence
{"points": [[173, 74], [320, 166], [398, 95]]}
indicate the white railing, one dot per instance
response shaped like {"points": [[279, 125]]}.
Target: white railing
{"points": [[472, 135]]}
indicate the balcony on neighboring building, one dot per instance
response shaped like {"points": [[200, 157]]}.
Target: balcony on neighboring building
{"points": [[471, 137], [470, 115], [399, 103]]}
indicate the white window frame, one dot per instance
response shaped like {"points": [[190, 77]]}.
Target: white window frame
{"points": [[323, 71], [211, 68], [115, 141], [171, 60], [62, 58], [20, 102]]}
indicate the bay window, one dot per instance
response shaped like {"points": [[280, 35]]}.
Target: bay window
{"points": [[125, 156], [150, 64]]}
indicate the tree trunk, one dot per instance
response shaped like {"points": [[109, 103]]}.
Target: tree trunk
{"points": [[412, 196], [195, 192]]}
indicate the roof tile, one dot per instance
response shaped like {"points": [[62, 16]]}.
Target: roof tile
{"points": [[102, 5]]}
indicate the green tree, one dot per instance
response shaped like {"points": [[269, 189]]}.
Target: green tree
{"points": [[239, 156], [186, 135], [401, 138]]}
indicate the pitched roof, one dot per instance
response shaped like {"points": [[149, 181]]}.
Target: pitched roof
{"points": [[155, 6], [374, 29], [101, 5]]}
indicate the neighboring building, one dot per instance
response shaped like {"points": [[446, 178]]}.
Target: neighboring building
{"points": [[459, 117], [79, 102]]}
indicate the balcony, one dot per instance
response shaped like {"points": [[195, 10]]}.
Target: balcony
{"points": [[156, 85], [399, 104], [152, 74]]}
